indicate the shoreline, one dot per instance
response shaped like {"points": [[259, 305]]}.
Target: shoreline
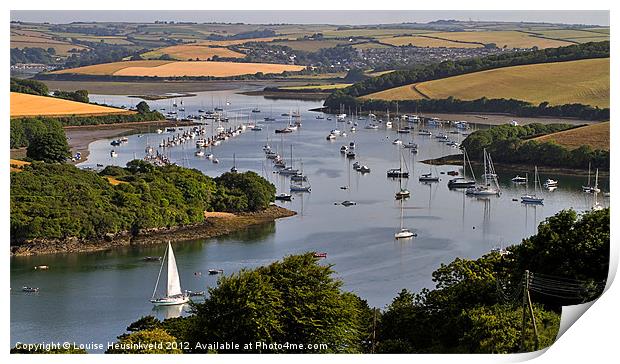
{"points": [[313, 96], [210, 228], [80, 137], [457, 160]]}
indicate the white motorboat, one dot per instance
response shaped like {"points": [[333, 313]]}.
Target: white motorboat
{"points": [[113, 154], [519, 179], [404, 234], [550, 183], [173, 295]]}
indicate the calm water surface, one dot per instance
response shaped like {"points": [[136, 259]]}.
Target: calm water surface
{"points": [[92, 297]]}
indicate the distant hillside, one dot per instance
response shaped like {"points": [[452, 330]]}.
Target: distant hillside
{"points": [[595, 135], [584, 81]]}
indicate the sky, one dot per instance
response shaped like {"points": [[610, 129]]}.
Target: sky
{"points": [[591, 17]]}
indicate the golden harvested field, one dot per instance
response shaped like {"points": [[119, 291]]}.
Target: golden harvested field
{"points": [[17, 165], [179, 69], [423, 41], [31, 39], [583, 81], [595, 135], [34, 105], [193, 51], [110, 68], [214, 69], [62, 49], [511, 39]]}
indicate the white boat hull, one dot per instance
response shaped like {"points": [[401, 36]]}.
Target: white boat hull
{"points": [[403, 235], [170, 301]]}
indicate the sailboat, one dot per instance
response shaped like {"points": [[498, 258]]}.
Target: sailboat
{"points": [[402, 192], [589, 188], [462, 182], [403, 233], [234, 167], [531, 198], [490, 186], [174, 295]]}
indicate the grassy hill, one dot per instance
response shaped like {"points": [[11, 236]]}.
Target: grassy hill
{"points": [[595, 135], [583, 81]]}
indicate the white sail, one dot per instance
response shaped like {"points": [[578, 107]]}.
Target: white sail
{"points": [[174, 283]]}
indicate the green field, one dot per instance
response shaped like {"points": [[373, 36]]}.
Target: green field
{"points": [[584, 81]]}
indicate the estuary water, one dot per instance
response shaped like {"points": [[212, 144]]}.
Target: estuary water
{"points": [[92, 297]]}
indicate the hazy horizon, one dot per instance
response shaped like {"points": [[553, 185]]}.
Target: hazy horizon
{"points": [[335, 17]]}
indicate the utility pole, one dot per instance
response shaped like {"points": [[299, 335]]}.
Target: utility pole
{"points": [[523, 304], [527, 302]]}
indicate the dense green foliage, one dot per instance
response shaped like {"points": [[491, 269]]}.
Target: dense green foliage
{"points": [[28, 86], [484, 105], [246, 191], [59, 200], [510, 144], [49, 146], [24, 129], [426, 72], [79, 95], [295, 300], [33, 55], [475, 304]]}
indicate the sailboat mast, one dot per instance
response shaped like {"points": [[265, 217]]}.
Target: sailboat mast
{"points": [[159, 274]]}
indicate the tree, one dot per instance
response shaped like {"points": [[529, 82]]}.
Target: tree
{"points": [[295, 300], [152, 341], [496, 329], [143, 107], [50, 146], [258, 192]]}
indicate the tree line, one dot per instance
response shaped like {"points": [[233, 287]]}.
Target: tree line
{"points": [[474, 307], [515, 144], [56, 201], [426, 72], [482, 105]]}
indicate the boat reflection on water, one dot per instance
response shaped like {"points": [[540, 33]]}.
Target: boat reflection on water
{"points": [[167, 312]]}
